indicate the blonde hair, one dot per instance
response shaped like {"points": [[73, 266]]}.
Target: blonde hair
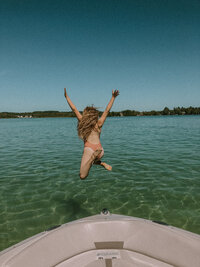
{"points": [[88, 122]]}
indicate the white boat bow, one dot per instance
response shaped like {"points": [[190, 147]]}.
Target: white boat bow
{"points": [[107, 240]]}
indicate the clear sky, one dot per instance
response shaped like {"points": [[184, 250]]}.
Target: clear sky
{"points": [[148, 49]]}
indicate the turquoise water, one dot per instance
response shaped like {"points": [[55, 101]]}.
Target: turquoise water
{"points": [[156, 173]]}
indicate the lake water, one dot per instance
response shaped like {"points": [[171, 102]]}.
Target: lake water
{"points": [[156, 173]]}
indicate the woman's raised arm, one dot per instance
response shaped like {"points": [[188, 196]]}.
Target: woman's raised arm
{"points": [[101, 121], [72, 106]]}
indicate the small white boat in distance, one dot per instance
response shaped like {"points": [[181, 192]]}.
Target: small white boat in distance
{"points": [[107, 240]]}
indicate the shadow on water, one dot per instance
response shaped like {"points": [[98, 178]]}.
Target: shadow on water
{"points": [[75, 210]]}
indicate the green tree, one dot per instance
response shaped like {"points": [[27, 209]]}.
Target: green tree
{"points": [[166, 111]]}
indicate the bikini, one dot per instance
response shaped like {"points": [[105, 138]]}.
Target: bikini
{"points": [[95, 147]]}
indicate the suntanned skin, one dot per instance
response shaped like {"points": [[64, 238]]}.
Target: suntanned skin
{"points": [[90, 157]]}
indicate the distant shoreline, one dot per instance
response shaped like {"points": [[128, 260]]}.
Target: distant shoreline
{"points": [[124, 113]]}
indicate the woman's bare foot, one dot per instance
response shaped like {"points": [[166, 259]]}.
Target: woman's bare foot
{"points": [[106, 166]]}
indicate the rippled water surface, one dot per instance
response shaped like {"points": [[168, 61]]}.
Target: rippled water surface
{"points": [[156, 173]]}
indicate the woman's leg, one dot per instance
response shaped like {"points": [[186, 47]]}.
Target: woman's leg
{"points": [[103, 164], [88, 158], [106, 166]]}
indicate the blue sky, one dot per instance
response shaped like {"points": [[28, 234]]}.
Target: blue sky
{"points": [[149, 50]]}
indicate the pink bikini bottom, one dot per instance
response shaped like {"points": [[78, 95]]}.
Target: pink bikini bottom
{"points": [[94, 147]]}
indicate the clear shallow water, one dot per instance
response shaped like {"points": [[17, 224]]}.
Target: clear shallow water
{"points": [[156, 173]]}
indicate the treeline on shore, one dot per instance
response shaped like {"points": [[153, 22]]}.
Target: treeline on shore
{"points": [[51, 114]]}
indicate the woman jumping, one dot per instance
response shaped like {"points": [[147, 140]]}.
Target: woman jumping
{"points": [[89, 130]]}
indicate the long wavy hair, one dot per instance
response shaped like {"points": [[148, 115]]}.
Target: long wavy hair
{"points": [[88, 122]]}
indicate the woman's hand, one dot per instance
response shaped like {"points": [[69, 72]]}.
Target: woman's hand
{"points": [[115, 93], [65, 93]]}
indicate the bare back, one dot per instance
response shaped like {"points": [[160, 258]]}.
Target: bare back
{"points": [[94, 136]]}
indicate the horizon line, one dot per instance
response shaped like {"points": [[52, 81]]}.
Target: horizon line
{"points": [[177, 107]]}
